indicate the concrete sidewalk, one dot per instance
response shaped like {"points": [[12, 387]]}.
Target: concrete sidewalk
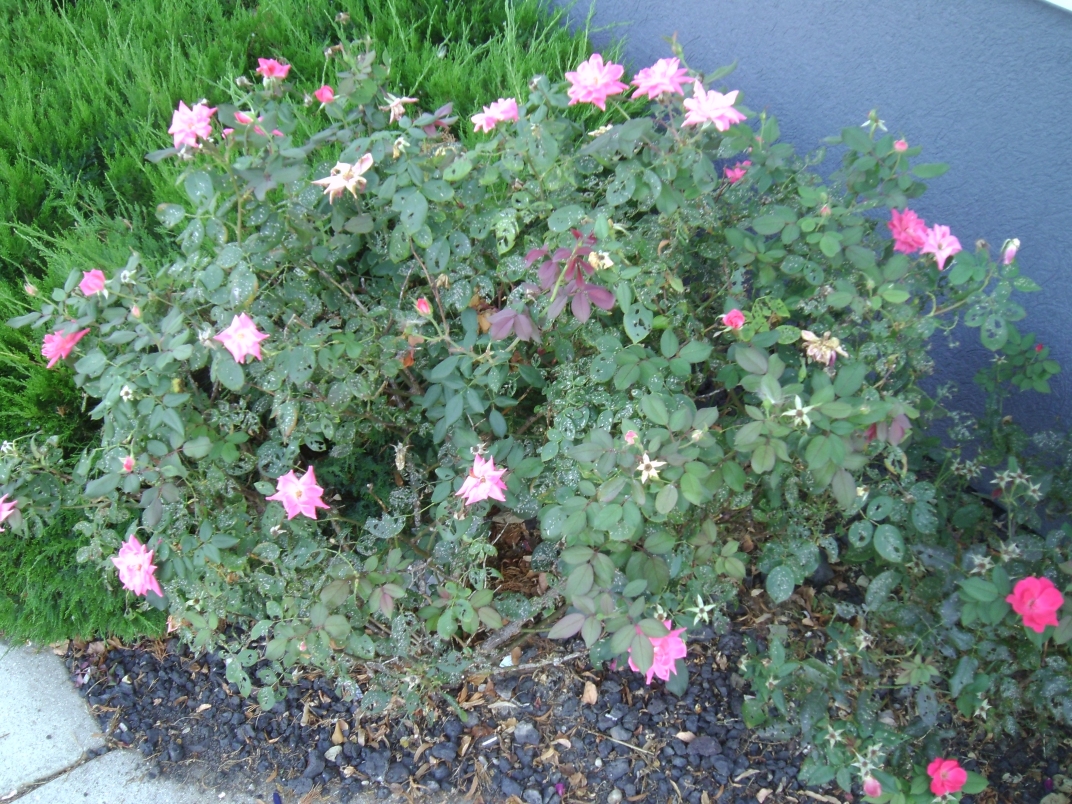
{"points": [[46, 730]]}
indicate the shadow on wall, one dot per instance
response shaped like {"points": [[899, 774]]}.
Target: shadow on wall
{"points": [[984, 85]]}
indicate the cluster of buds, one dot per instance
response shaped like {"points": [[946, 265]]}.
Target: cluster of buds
{"points": [[1012, 481], [966, 469]]}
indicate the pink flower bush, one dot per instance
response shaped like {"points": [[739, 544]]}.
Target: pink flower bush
{"points": [[712, 107], [665, 76], [483, 483], [734, 319], [1037, 601], [188, 125], [900, 146], [58, 345], [737, 172], [946, 776], [7, 508], [272, 69], [593, 81], [299, 495], [242, 339], [325, 94], [423, 307], [872, 787], [908, 230], [941, 244], [503, 110], [136, 568], [92, 282], [668, 649], [631, 437]]}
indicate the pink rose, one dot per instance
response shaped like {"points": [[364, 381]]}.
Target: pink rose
{"points": [[188, 125], [325, 94], [299, 495], [593, 81], [272, 69], [7, 508], [136, 568], [736, 173], [58, 345], [242, 339], [667, 649], [666, 76], [908, 230], [941, 243], [92, 282], [900, 146], [483, 482], [1037, 601], [734, 319], [712, 107], [872, 787], [1011, 247], [423, 307], [946, 776], [128, 463], [631, 437]]}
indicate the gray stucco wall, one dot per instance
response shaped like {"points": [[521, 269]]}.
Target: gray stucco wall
{"points": [[984, 85]]}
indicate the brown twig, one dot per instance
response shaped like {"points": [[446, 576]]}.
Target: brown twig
{"points": [[509, 631]]}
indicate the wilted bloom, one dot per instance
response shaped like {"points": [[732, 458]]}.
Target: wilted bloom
{"points": [[173, 624], [503, 110], [736, 173], [667, 649], [593, 81], [630, 437], [92, 282], [7, 508], [649, 469], [822, 350], [242, 339], [128, 463], [187, 124], [136, 568], [1037, 601], [946, 776], [908, 230], [58, 345], [299, 495], [272, 69], [1009, 249], [423, 307], [712, 107], [872, 787], [900, 146], [666, 75], [325, 94], [484, 482], [600, 260], [941, 243], [734, 319], [345, 177], [894, 432], [396, 106], [509, 320]]}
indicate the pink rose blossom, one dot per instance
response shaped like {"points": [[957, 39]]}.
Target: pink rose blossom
{"points": [[423, 307], [593, 81], [736, 173], [908, 230], [941, 244], [128, 463], [631, 437], [483, 483], [299, 495], [667, 650], [712, 107], [1009, 253], [92, 282], [665, 76], [325, 94], [872, 787], [734, 319], [900, 146], [503, 110], [272, 69], [242, 339], [136, 568], [187, 125], [7, 508], [1037, 601], [58, 345], [946, 776]]}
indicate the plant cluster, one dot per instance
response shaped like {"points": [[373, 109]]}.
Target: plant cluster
{"points": [[644, 336]]}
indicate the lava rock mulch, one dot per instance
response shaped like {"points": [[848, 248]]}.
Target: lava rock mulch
{"points": [[553, 733]]}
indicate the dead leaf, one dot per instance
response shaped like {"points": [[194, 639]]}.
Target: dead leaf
{"points": [[60, 648], [307, 714], [515, 656], [591, 694], [762, 795], [746, 774], [704, 798], [563, 742], [337, 737], [685, 736], [204, 707]]}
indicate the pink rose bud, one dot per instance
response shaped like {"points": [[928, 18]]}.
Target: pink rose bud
{"points": [[135, 311], [1039, 347], [423, 307], [824, 210], [325, 94], [31, 290], [631, 437], [1011, 247], [899, 146], [734, 319], [872, 787], [128, 463]]}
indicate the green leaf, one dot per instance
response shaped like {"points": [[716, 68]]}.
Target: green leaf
{"points": [[880, 588], [637, 320], [930, 170], [751, 359], [768, 224], [497, 422], [843, 486], [666, 499], [655, 409], [879, 508], [458, 169], [565, 218], [994, 332], [197, 448], [979, 589], [105, 484], [830, 244], [889, 543], [228, 373], [693, 490], [976, 784], [780, 583], [695, 351], [337, 626], [669, 344], [414, 213], [963, 675]]}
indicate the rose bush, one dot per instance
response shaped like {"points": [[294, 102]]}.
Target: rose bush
{"points": [[657, 338]]}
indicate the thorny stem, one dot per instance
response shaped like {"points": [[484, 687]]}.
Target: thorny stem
{"points": [[432, 285]]}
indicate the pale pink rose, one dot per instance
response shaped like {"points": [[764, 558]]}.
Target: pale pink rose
{"points": [[946, 776], [631, 437], [423, 307], [128, 463], [665, 76], [325, 94], [941, 243], [736, 173], [484, 482], [92, 282], [501, 111], [227, 132], [593, 81], [299, 495], [908, 230], [242, 339], [734, 319], [1037, 601], [136, 568], [667, 650], [58, 345], [345, 178], [187, 125], [712, 107], [900, 146], [872, 787], [483, 122], [7, 508], [272, 69], [1011, 247]]}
